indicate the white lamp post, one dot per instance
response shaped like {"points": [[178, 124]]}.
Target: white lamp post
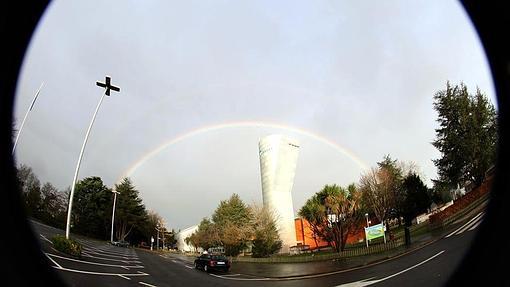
{"points": [[107, 87], [113, 211], [25, 118]]}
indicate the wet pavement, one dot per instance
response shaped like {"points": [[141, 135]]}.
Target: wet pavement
{"points": [[285, 270]]}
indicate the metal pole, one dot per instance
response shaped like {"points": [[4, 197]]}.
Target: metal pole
{"points": [[157, 238], [78, 166], [26, 115], [113, 213]]}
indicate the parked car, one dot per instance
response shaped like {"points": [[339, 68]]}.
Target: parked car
{"points": [[209, 262], [121, 243]]}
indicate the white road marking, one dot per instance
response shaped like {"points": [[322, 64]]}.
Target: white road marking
{"points": [[125, 277], [366, 282], [85, 254], [471, 220], [102, 273], [44, 237], [54, 262], [475, 226], [469, 225], [147, 284], [94, 263]]}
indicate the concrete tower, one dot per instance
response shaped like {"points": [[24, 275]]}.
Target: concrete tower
{"points": [[278, 158]]}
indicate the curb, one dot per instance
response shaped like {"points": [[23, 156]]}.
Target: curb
{"points": [[369, 264]]}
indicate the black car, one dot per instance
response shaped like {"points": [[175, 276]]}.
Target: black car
{"points": [[121, 243], [210, 262]]}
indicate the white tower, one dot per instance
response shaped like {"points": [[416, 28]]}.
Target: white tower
{"points": [[278, 159]]}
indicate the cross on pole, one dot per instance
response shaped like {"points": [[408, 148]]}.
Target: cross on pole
{"points": [[108, 86]]}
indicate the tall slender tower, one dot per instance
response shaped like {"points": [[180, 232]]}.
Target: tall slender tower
{"points": [[278, 159]]}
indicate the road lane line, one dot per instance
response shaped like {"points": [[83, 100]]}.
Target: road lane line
{"points": [[55, 262], [85, 254], [127, 278], [478, 215], [147, 284], [44, 237], [102, 273], [367, 282], [94, 263], [475, 226], [469, 225]]}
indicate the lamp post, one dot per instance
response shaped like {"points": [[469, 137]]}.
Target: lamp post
{"points": [[113, 211], [25, 118], [157, 237], [366, 216], [107, 87]]}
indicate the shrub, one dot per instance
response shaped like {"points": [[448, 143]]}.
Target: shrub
{"points": [[68, 246]]}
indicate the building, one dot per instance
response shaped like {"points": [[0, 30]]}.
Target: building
{"points": [[181, 236], [306, 237], [278, 159]]}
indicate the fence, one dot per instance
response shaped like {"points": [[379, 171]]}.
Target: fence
{"points": [[372, 249]]}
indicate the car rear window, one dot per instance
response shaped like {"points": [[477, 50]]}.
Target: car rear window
{"points": [[219, 257]]}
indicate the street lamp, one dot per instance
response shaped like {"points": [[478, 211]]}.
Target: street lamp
{"points": [[157, 237], [366, 216], [113, 211], [107, 85], [25, 118]]}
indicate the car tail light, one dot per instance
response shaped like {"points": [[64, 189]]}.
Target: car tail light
{"points": [[212, 263]]}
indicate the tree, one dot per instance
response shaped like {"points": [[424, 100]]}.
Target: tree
{"points": [[30, 190], [207, 235], [130, 211], [232, 218], [92, 208], [52, 206], [334, 213], [266, 239], [466, 137], [313, 211], [395, 172], [417, 199], [376, 187]]}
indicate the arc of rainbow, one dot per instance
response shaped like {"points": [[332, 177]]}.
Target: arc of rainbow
{"points": [[133, 167]]}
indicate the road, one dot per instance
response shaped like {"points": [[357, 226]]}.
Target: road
{"points": [[106, 265]]}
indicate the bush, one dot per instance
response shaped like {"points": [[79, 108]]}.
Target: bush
{"points": [[68, 246]]}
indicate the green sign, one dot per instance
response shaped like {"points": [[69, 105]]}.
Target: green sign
{"points": [[375, 231]]}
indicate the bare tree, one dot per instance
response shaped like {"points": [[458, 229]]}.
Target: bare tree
{"points": [[377, 191]]}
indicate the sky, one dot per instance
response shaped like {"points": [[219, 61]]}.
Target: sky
{"points": [[203, 81]]}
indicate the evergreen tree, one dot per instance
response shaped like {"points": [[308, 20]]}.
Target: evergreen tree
{"points": [[466, 137], [130, 212], [92, 208], [417, 198]]}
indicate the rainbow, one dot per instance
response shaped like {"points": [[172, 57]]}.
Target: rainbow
{"points": [[138, 163]]}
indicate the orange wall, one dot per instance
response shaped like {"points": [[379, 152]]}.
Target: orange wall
{"points": [[304, 235]]}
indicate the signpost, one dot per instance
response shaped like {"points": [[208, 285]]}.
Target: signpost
{"points": [[374, 231]]}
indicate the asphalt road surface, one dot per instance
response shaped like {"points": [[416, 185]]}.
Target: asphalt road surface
{"points": [[105, 265]]}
